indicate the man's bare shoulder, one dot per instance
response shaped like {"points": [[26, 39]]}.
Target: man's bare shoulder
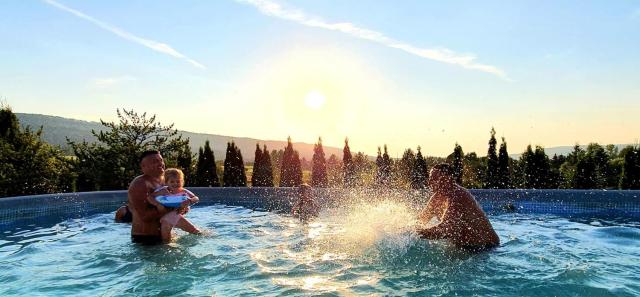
{"points": [[138, 181]]}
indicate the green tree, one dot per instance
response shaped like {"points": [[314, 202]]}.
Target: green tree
{"points": [[536, 169], [406, 167], [184, 161], [456, 159], [257, 176], [386, 167], [348, 169], [112, 162], [631, 169], [291, 168], [319, 167], [492, 175], [419, 173], [28, 165], [206, 169], [334, 171], [234, 174], [504, 169]]}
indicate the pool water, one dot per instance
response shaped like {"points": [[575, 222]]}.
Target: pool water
{"points": [[362, 249]]}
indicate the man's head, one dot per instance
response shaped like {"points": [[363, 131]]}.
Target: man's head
{"points": [[152, 163], [441, 176]]}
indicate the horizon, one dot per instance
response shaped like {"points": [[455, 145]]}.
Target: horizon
{"points": [[420, 74]]}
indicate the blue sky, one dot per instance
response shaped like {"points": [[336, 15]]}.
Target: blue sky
{"points": [[428, 73]]}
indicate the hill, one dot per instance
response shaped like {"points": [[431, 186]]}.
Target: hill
{"points": [[55, 130]]}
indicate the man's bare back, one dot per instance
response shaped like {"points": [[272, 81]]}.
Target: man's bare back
{"points": [[460, 218]]}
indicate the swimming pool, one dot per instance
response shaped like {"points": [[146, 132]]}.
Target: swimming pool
{"points": [[362, 248]]}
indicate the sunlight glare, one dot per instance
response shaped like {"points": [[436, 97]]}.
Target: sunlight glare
{"points": [[314, 100]]}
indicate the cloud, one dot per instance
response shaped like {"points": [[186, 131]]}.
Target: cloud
{"points": [[152, 44], [107, 82], [443, 55]]}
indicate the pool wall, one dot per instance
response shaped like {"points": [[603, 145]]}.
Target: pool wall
{"points": [[41, 209]]}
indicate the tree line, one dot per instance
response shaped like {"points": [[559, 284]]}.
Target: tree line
{"points": [[28, 165]]}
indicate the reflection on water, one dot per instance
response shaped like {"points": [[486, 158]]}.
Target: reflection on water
{"points": [[329, 247], [366, 248]]}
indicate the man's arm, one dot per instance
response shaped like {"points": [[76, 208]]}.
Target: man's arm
{"points": [[137, 200], [442, 229]]}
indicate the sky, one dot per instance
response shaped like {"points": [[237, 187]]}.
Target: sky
{"points": [[401, 73]]}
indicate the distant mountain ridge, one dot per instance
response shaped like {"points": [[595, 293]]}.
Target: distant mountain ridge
{"points": [[56, 129]]}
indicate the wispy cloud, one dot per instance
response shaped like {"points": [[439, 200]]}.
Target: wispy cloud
{"points": [[152, 44], [107, 82], [467, 61]]}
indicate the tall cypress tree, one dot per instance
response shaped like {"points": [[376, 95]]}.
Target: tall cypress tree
{"points": [[291, 168], [419, 173], [348, 168], [492, 174], [234, 174], [379, 167], [184, 161], [319, 166], [267, 168], [631, 170], [258, 171], [457, 163], [407, 165], [504, 172], [206, 174], [386, 166]]}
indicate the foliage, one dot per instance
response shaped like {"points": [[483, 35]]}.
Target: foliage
{"points": [[28, 165], [492, 175], [319, 169], [262, 169], [419, 174], [206, 168], [112, 162], [348, 169], [291, 168], [234, 174]]}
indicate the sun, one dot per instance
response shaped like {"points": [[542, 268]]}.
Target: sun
{"points": [[314, 100]]}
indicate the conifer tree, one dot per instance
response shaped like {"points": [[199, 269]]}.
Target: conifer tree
{"points": [[319, 166], [267, 168], [536, 169], [631, 170], [504, 172], [407, 165], [291, 168], [206, 173], [492, 175], [184, 161], [256, 177], [379, 167], [457, 163], [334, 171], [386, 166], [348, 167], [419, 173], [234, 174]]}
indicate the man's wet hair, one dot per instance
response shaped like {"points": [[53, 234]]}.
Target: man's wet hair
{"points": [[444, 168], [148, 153]]}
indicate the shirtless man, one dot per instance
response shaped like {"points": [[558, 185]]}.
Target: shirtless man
{"points": [[459, 217], [145, 227]]}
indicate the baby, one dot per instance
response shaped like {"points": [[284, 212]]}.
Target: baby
{"points": [[174, 182]]}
